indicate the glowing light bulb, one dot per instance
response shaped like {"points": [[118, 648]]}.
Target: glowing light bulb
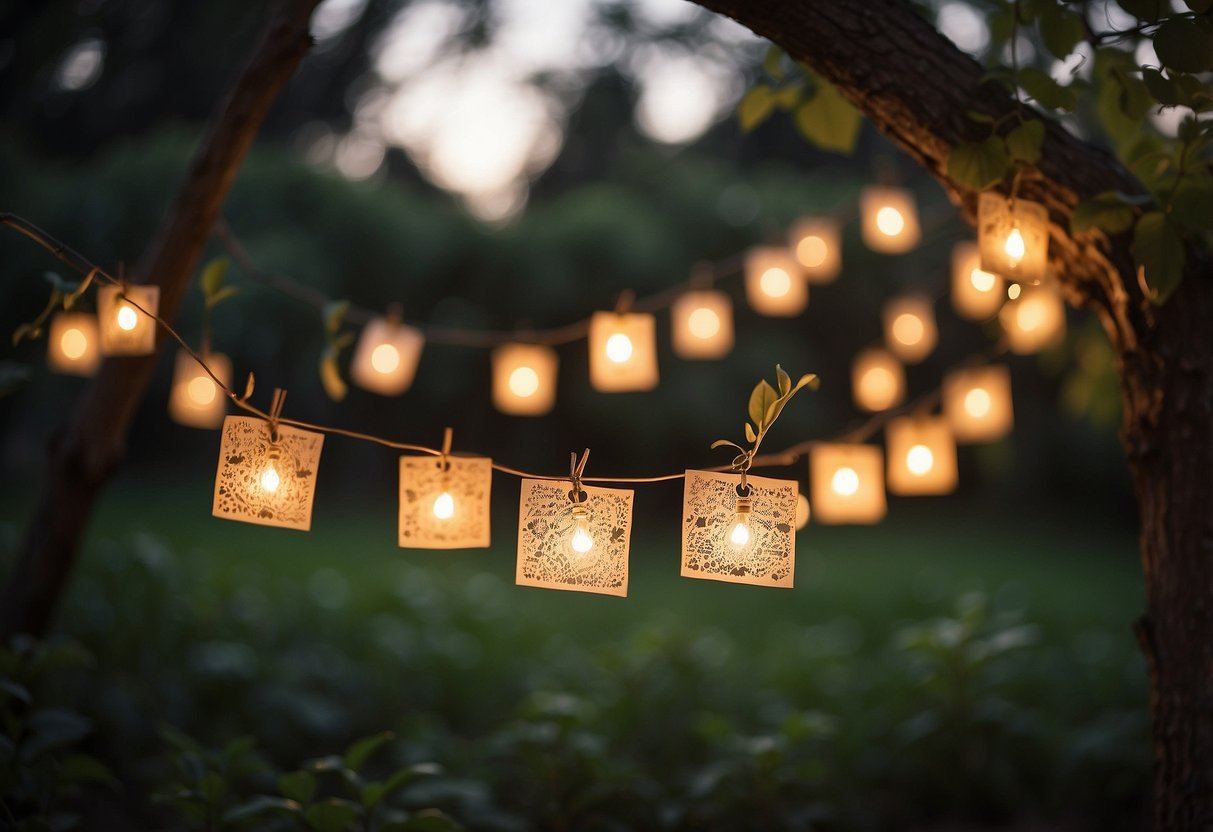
{"points": [[889, 221], [739, 535], [73, 343], [444, 506], [524, 382], [385, 358], [201, 390], [977, 402], [908, 328], [812, 251], [127, 319], [270, 479], [845, 481], [982, 281], [581, 541], [1013, 291], [1030, 315], [919, 460], [775, 282], [619, 348], [1014, 247], [703, 323]]}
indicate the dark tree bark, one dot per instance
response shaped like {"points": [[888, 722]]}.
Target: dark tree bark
{"points": [[917, 87], [87, 450]]}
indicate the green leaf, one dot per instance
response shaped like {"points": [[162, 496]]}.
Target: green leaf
{"points": [[358, 753], [784, 381], [1158, 250], [1164, 90], [223, 294], [978, 165], [333, 815], [213, 275], [809, 380], [720, 443], [772, 63], [1025, 141], [1060, 29], [750, 436], [1110, 211], [299, 786], [1148, 10], [84, 768], [787, 97], [1192, 204], [376, 792], [334, 315], [760, 399], [1045, 91], [260, 805], [1185, 44], [828, 120], [330, 375], [755, 106]]}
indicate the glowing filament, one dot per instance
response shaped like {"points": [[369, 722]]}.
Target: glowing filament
{"points": [[524, 382], [982, 281], [845, 481], [619, 348], [908, 329], [1013, 291], [776, 282], [919, 460], [201, 390], [444, 506], [812, 251], [127, 319], [890, 221], [1014, 247], [270, 479], [385, 358], [977, 402], [703, 323], [73, 343]]}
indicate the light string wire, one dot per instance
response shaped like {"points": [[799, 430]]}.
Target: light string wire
{"points": [[784, 458]]}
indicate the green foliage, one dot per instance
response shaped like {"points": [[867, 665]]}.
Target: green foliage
{"points": [[1158, 250], [979, 165], [765, 405], [820, 112], [1111, 211], [828, 120], [335, 341]]}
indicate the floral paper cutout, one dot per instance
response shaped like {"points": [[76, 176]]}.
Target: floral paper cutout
{"points": [[468, 480], [245, 453]]}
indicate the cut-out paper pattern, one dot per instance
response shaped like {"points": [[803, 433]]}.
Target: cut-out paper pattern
{"points": [[259, 481], [547, 556], [709, 549], [444, 504]]}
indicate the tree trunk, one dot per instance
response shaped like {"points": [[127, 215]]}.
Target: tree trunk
{"points": [[87, 450], [918, 88]]}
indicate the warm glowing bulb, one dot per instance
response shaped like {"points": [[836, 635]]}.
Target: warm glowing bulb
{"points": [[908, 328], [982, 281], [703, 323], [740, 534], [1013, 291], [73, 343], [270, 479], [1014, 247], [444, 506], [127, 319], [812, 251], [385, 358], [201, 390], [977, 402], [919, 460], [775, 282], [845, 481], [524, 382], [619, 348], [890, 221], [582, 541], [1029, 315]]}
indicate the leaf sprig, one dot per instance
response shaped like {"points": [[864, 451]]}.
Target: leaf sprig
{"points": [[766, 403]]}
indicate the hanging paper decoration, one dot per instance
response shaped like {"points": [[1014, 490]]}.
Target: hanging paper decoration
{"points": [[1034, 320], [623, 352], [574, 538], [72, 345], [124, 329], [976, 293], [802, 512], [702, 324], [977, 403], [743, 536], [890, 219], [909, 327], [922, 455], [195, 399], [385, 360], [444, 502], [816, 242], [267, 482], [1014, 237], [847, 483], [524, 379], [878, 381], [774, 285]]}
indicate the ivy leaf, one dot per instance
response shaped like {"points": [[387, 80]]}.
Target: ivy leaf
{"points": [[755, 106], [1025, 141], [1159, 253], [1045, 91], [1110, 211], [978, 165], [213, 275], [1185, 44], [786, 97], [330, 375], [828, 120], [1060, 29], [1164, 89], [760, 400]]}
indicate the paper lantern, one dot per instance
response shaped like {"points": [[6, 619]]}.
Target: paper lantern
{"points": [[1034, 320], [739, 538], [890, 219], [265, 482], [847, 483], [878, 381], [444, 502], [703, 325], [623, 352], [124, 329], [1014, 237], [581, 546], [921, 455], [976, 293], [816, 243], [977, 403], [524, 379], [909, 327], [72, 344], [774, 285], [385, 360], [195, 400]]}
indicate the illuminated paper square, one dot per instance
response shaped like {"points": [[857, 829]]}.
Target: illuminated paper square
{"points": [[817, 245], [976, 293], [72, 344], [878, 381], [623, 352], [262, 482], [385, 360], [774, 285], [444, 506], [124, 329], [703, 325], [195, 400], [890, 219], [524, 379], [1013, 237], [546, 556], [921, 456], [765, 555], [1035, 320], [847, 483], [977, 403], [909, 327]]}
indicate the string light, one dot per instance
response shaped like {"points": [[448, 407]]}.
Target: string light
{"points": [[386, 357], [702, 325], [773, 283], [524, 379], [977, 403], [976, 293], [71, 344], [922, 455], [816, 243], [123, 329], [623, 352], [1034, 320], [909, 325], [878, 381], [890, 219], [195, 400], [266, 476], [1013, 235], [847, 483], [444, 502]]}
